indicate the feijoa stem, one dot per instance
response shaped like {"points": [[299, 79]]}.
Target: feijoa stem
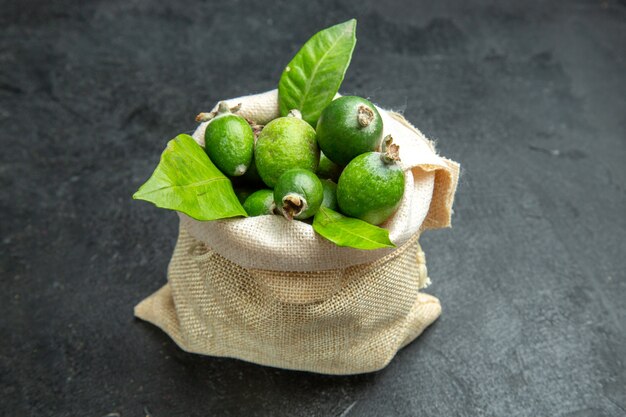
{"points": [[222, 108], [364, 116], [390, 151], [295, 113], [293, 205]]}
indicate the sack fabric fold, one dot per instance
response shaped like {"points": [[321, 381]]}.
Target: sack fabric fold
{"points": [[273, 292]]}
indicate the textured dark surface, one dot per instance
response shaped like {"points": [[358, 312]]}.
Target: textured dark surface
{"points": [[528, 96]]}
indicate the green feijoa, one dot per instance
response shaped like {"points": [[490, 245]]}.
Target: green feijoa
{"points": [[371, 186], [259, 203], [285, 143], [298, 194], [252, 176], [328, 169], [347, 127], [330, 195], [229, 142]]}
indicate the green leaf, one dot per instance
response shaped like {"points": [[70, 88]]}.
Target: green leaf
{"points": [[347, 231], [187, 181], [312, 78]]}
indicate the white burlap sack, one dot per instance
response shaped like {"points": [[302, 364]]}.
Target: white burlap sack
{"points": [[271, 291]]}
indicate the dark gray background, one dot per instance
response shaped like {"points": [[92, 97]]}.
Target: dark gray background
{"points": [[528, 96]]}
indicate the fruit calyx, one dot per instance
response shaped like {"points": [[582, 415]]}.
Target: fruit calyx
{"points": [[295, 113], [364, 116], [390, 151], [293, 205], [222, 108], [240, 170]]}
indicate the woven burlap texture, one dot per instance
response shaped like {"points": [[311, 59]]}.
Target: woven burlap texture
{"points": [[273, 292], [343, 321]]}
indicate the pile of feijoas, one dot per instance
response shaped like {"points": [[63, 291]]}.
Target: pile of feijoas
{"points": [[324, 158]]}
